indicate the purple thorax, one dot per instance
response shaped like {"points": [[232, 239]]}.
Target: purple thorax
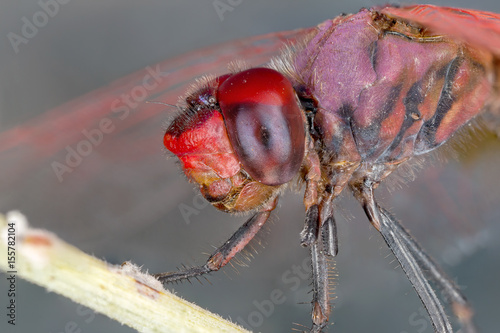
{"points": [[387, 93]]}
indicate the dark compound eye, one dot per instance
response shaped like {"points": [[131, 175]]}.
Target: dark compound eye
{"points": [[264, 124], [205, 96]]}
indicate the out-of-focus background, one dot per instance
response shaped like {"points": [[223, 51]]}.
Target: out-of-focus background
{"points": [[135, 213]]}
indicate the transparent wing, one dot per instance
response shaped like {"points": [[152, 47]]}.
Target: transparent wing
{"points": [[81, 152], [125, 99]]}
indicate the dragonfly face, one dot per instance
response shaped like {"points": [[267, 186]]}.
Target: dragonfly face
{"points": [[361, 95], [245, 144]]}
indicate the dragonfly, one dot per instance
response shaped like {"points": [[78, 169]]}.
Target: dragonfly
{"points": [[181, 71]]}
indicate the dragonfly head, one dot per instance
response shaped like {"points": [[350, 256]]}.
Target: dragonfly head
{"points": [[240, 137]]}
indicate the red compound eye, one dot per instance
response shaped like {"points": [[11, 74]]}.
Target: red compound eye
{"points": [[264, 124]]}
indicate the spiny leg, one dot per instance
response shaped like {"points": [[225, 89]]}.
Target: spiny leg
{"points": [[320, 226], [324, 246], [226, 252], [452, 294], [319, 209], [321, 294], [309, 234], [329, 236], [328, 223], [407, 259], [320, 235], [327, 233]]}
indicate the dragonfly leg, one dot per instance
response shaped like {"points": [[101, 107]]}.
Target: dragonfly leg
{"points": [[319, 211], [312, 176], [321, 291], [339, 179], [329, 236], [328, 224], [325, 246], [224, 253], [309, 234], [450, 291], [320, 235], [408, 260], [320, 226]]}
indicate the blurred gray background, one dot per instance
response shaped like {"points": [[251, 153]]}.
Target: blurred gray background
{"points": [[452, 210]]}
